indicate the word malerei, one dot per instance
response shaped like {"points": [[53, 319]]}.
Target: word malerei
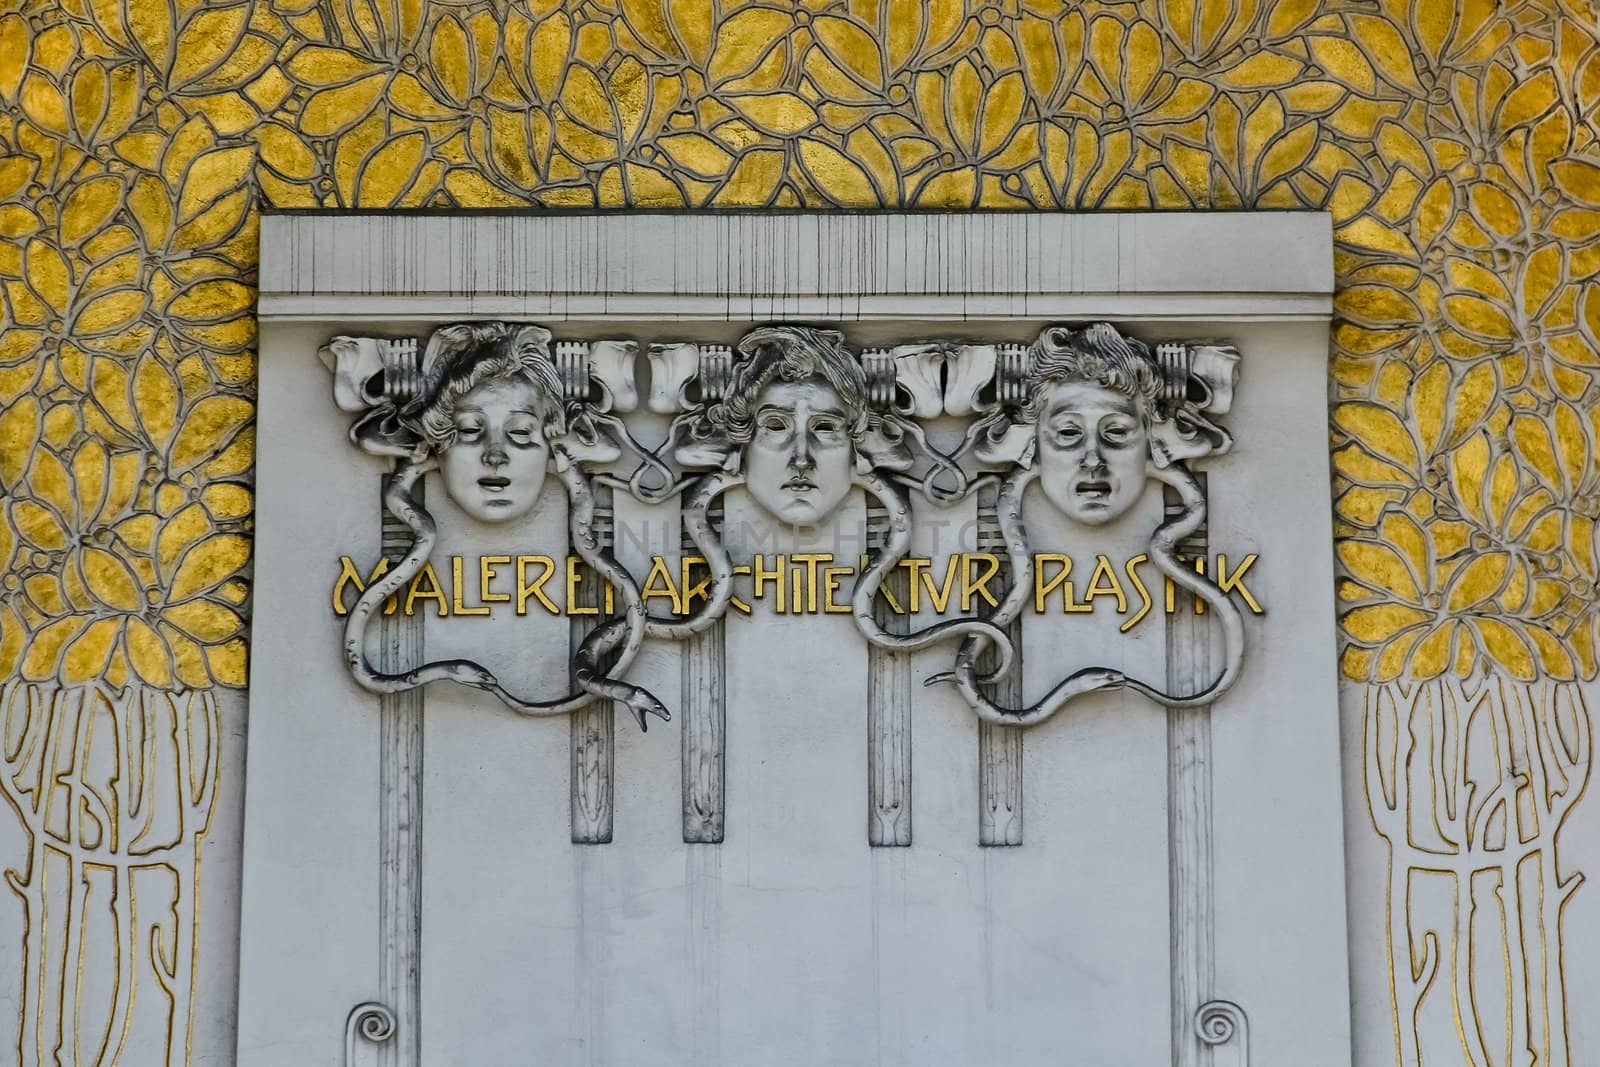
{"points": [[802, 583]]}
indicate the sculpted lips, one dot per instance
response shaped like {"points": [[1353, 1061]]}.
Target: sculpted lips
{"points": [[494, 484], [799, 483], [1094, 490]]}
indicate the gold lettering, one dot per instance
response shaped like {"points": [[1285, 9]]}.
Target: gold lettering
{"points": [[1236, 582], [1040, 588], [701, 590], [455, 590], [658, 569], [1103, 566], [486, 566], [739, 571], [1069, 602], [433, 592], [941, 595], [574, 577], [774, 576], [536, 589], [811, 559], [1144, 594], [1200, 569], [916, 567], [883, 591], [348, 575], [830, 582], [969, 585]]}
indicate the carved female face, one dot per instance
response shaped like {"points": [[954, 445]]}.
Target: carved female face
{"points": [[495, 470], [799, 458], [1092, 448]]}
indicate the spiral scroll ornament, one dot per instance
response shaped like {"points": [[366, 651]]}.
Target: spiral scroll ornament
{"points": [[369, 1020], [1222, 1022]]}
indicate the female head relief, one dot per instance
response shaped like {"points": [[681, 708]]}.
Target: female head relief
{"points": [[798, 406], [1093, 395], [492, 417]]}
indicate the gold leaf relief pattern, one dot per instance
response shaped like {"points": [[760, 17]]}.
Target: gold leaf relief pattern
{"points": [[1454, 142], [1455, 145]]}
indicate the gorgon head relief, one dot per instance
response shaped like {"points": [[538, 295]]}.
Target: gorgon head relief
{"points": [[799, 420]]}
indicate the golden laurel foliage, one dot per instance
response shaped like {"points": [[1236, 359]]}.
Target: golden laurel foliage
{"points": [[1454, 142]]}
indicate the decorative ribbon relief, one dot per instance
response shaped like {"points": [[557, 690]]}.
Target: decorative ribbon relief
{"points": [[798, 419]]}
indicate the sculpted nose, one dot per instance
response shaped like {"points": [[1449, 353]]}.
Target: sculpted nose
{"points": [[494, 455], [800, 455]]}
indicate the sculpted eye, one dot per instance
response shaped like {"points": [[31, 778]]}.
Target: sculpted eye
{"points": [[773, 421], [1069, 435], [469, 431], [522, 435], [827, 426]]}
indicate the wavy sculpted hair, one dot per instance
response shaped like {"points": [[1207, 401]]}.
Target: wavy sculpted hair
{"points": [[790, 354], [470, 354], [1098, 354]]}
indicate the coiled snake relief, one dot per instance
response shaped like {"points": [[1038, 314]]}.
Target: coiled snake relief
{"points": [[797, 421]]}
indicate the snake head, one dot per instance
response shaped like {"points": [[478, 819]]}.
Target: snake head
{"points": [[643, 704]]}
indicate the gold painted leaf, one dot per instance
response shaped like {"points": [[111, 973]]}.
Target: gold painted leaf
{"points": [[20, 425], [1002, 109], [1263, 70], [1506, 647], [950, 189], [1431, 656], [212, 300], [48, 274], [692, 22], [836, 176], [206, 42], [1479, 581], [852, 48], [1343, 60], [204, 620], [549, 50], [1477, 317], [89, 207], [1382, 44], [110, 312], [147, 653], [697, 154], [44, 650], [1579, 179], [1379, 430], [15, 51], [228, 662], [207, 565], [155, 398], [1537, 448], [780, 114], [754, 179], [1379, 622], [390, 171], [451, 59], [1379, 567], [321, 65], [1529, 100], [207, 428], [335, 110], [1288, 152], [110, 580]]}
